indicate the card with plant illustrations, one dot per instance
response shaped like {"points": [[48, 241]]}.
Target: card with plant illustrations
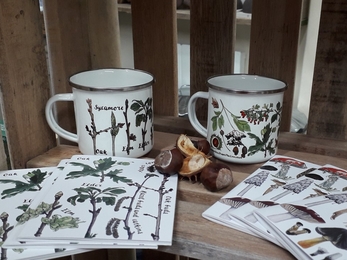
{"points": [[17, 189], [102, 199]]}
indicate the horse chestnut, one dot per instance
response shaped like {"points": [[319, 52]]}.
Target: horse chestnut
{"points": [[169, 161], [216, 176], [202, 145]]}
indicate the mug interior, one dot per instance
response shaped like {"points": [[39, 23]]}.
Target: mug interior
{"points": [[111, 79], [246, 84]]}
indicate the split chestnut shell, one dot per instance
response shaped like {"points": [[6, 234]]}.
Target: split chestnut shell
{"points": [[194, 164]]}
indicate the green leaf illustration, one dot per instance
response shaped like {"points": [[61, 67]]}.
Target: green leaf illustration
{"points": [[110, 201], [137, 105], [116, 178], [242, 125], [139, 119], [34, 179]]}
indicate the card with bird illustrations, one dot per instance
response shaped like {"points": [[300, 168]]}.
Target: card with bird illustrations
{"points": [[18, 188], [103, 199], [312, 182], [269, 177], [313, 228]]}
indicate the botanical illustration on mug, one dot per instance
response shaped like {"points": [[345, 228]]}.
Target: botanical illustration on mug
{"points": [[143, 115], [233, 128]]}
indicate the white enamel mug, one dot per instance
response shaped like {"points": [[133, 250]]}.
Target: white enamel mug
{"points": [[244, 114], [113, 112]]}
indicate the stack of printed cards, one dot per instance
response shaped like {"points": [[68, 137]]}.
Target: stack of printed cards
{"points": [[93, 202], [271, 189], [18, 188]]}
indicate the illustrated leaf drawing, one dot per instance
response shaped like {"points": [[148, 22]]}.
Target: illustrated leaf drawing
{"points": [[274, 118], [101, 166], [95, 195], [116, 178], [262, 143], [143, 112], [87, 170], [113, 191], [110, 201], [104, 164], [36, 176], [34, 179], [242, 125], [24, 207], [139, 119], [137, 106], [57, 222]]}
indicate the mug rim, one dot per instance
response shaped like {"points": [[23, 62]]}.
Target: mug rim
{"points": [[110, 88], [241, 91]]}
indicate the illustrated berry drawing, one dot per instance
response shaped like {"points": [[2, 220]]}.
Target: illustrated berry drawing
{"points": [[233, 129]]}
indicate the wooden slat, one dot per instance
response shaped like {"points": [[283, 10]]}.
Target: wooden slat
{"points": [[200, 238], [155, 50], [81, 35], [3, 157], [212, 38], [273, 45], [24, 80], [328, 108]]}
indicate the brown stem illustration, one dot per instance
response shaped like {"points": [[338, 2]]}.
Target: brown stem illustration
{"points": [[335, 214], [93, 131], [55, 206], [130, 208], [127, 130], [162, 192], [6, 229], [114, 132], [95, 212]]}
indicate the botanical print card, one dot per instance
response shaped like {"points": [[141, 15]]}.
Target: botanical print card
{"points": [[270, 176], [17, 189], [314, 228], [102, 199], [310, 183]]}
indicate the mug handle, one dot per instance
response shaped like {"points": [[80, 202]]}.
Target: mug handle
{"points": [[51, 119], [192, 113]]}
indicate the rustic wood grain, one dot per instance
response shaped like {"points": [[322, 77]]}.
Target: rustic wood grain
{"points": [[155, 50], [24, 80], [81, 35], [329, 93], [197, 237], [273, 45], [212, 41], [3, 159]]}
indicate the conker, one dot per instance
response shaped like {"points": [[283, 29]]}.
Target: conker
{"points": [[216, 176], [202, 145], [193, 165], [169, 161]]}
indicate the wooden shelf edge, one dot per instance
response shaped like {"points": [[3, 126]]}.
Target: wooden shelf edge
{"points": [[241, 18]]}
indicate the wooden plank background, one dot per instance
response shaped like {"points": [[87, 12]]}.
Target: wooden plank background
{"points": [[212, 44], [81, 35], [155, 50], [274, 39], [24, 80], [327, 116]]}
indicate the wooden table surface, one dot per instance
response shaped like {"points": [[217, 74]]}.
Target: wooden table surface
{"points": [[195, 236]]}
